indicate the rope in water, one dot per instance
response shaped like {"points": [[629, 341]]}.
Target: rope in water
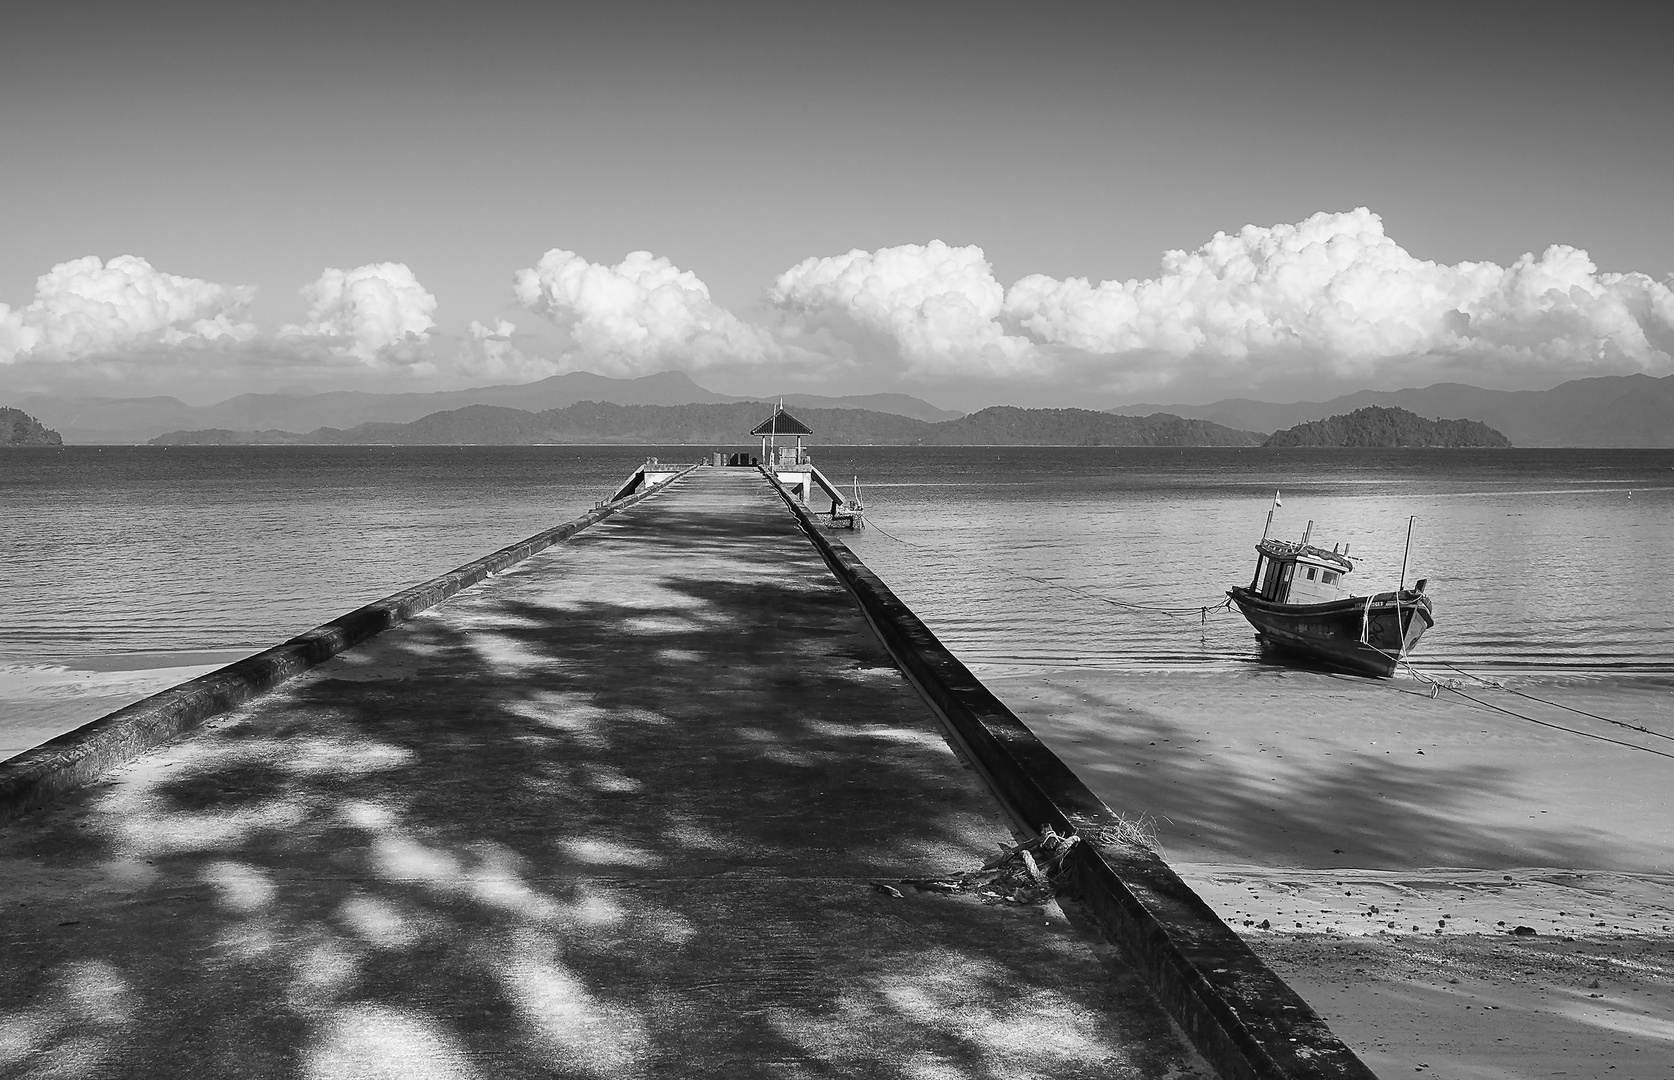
{"points": [[1201, 610], [1447, 685], [1641, 728]]}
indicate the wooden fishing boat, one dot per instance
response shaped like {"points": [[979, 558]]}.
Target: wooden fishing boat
{"points": [[1299, 605]]}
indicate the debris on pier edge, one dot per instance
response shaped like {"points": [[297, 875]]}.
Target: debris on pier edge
{"points": [[1026, 873]]}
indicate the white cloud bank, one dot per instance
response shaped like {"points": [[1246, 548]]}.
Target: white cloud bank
{"points": [[642, 315], [124, 326], [1331, 297], [89, 310], [88, 307], [1328, 302], [1335, 288]]}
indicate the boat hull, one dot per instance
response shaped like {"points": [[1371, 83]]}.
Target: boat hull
{"points": [[1348, 635]]}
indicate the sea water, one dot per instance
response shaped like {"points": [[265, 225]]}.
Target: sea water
{"points": [[1546, 562], [130, 549], [1553, 563]]}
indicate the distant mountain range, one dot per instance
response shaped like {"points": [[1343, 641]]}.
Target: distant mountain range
{"points": [[727, 425], [1628, 410], [1617, 410], [135, 420]]}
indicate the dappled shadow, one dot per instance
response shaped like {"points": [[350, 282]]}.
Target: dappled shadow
{"points": [[614, 813], [1300, 769]]}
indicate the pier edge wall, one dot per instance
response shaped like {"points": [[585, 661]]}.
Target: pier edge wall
{"points": [[79, 757], [1246, 1021]]}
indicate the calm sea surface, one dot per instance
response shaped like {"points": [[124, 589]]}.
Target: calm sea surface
{"points": [[1545, 561]]}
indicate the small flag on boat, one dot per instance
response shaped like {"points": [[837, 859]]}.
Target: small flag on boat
{"points": [[1276, 501]]}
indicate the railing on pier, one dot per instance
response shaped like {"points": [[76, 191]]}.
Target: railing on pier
{"points": [[649, 475]]}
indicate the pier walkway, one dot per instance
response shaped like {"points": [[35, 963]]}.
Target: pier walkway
{"points": [[615, 812]]}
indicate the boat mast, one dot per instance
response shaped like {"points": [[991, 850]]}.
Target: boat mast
{"points": [[1265, 529], [1404, 555], [1400, 626]]}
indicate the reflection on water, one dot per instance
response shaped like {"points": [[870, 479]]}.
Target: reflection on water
{"points": [[1536, 558]]}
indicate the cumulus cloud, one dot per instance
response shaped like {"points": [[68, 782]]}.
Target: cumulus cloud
{"points": [[89, 308], [1331, 299], [938, 304], [1335, 289], [641, 315], [1330, 296], [377, 314]]}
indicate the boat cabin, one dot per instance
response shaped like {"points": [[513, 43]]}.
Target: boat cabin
{"points": [[1297, 573]]}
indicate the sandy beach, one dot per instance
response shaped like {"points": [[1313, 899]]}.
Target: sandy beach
{"points": [[1459, 892]]}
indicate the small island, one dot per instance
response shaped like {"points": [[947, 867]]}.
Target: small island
{"points": [[18, 428], [1379, 426]]}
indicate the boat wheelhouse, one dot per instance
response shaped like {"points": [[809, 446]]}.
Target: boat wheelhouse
{"points": [[1299, 603]]}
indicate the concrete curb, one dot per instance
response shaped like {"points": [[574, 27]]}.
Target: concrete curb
{"points": [[39, 775], [1245, 1020]]}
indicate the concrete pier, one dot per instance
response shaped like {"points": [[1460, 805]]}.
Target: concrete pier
{"points": [[616, 812]]}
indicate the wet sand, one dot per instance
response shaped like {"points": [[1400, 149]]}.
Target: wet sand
{"points": [[39, 702], [1381, 849]]}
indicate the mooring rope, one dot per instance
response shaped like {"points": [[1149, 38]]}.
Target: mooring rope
{"points": [[1498, 685], [1201, 610], [1559, 727], [1441, 684], [1641, 728]]}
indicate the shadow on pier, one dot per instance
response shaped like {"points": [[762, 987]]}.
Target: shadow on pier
{"points": [[614, 813]]}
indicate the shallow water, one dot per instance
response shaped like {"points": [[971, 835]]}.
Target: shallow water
{"points": [[1538, 560]]}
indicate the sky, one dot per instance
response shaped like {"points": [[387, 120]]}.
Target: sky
{"points": [[1047, 204]]}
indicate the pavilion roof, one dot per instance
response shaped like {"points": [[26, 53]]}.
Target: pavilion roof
{"points": [[782, 423]]}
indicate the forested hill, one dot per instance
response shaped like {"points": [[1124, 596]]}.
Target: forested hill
{"points": [[18, 428], [1004, 425], [729, 424], [1379, 426]]}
